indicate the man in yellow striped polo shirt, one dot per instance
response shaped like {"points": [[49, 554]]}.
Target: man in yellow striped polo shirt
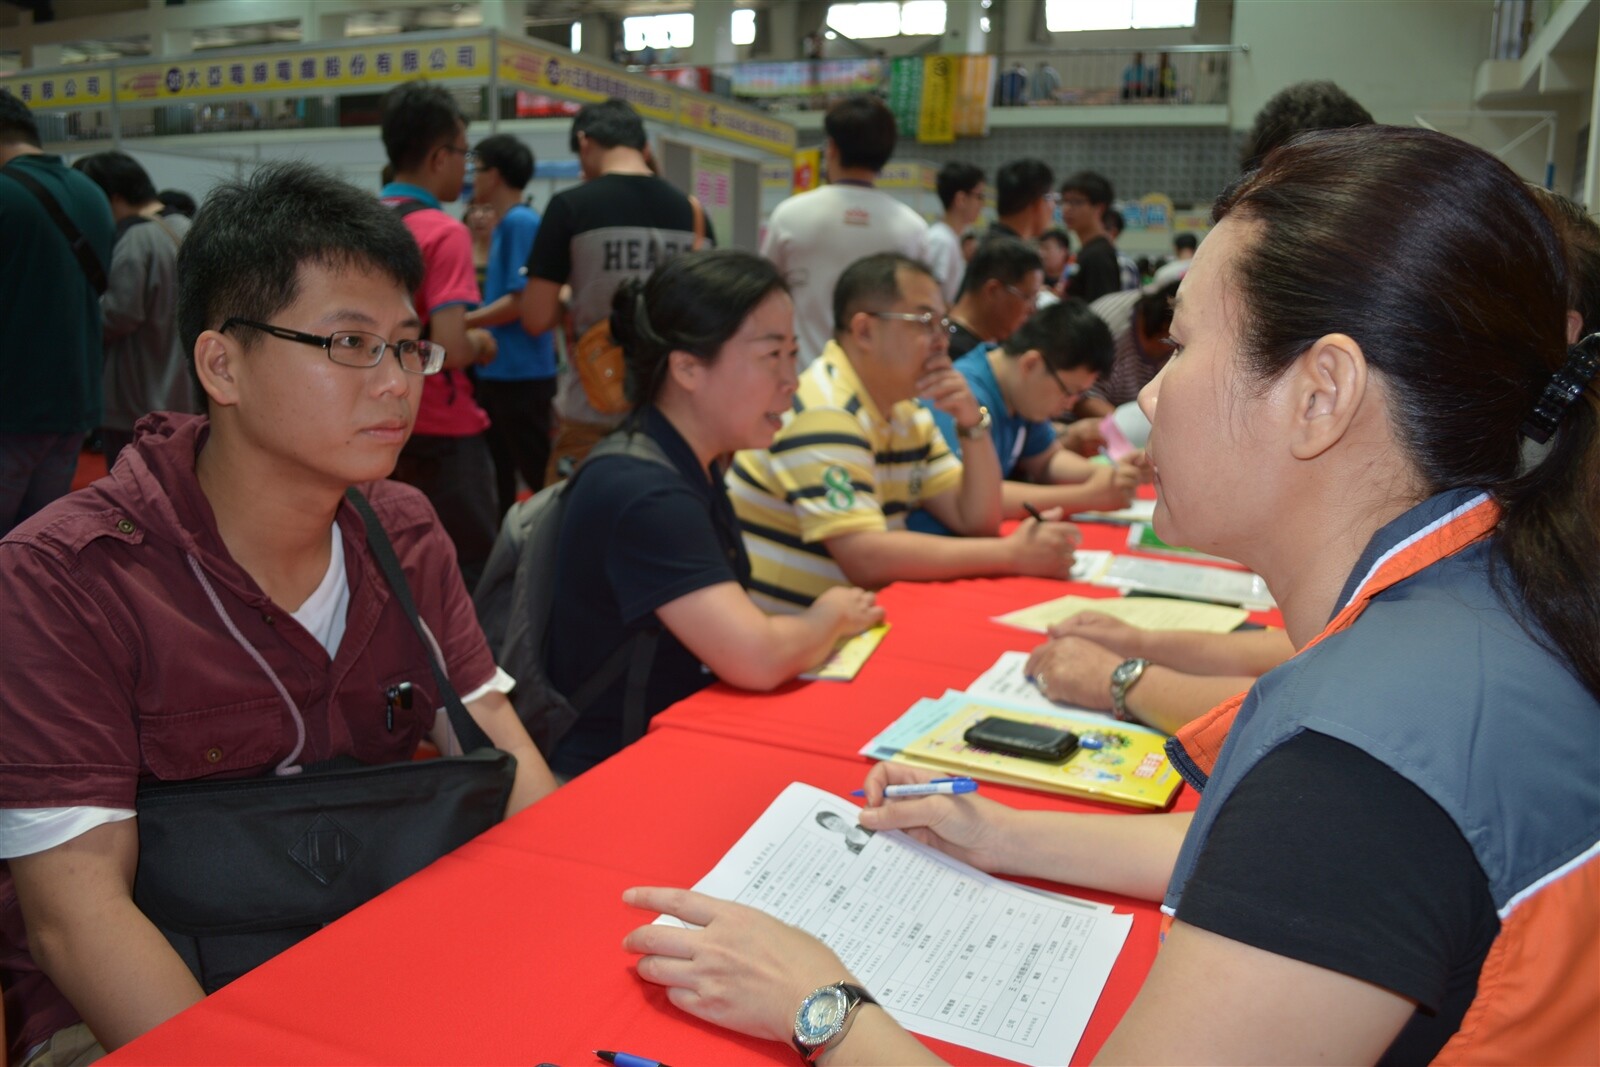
{"points": [[826, 505]]}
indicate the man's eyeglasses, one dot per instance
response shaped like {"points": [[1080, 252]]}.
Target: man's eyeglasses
{"points": [[927, 320], [1027, 298], [1071, 395], [456, 149], [353, 348]]}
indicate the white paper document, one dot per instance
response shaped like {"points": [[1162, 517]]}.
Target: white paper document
{"points": [[1089, 563], [1191, 580], [1008, 681], [1138, 511], [952, 953], [1145, 612]]}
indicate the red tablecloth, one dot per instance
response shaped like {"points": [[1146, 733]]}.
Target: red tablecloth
{"points": [[509, 949]]}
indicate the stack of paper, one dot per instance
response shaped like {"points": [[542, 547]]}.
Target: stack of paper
{"points": [[1138, 511], [1147, 613], [950, 952], [1128, 764], [847, 657], [1189, 580]]}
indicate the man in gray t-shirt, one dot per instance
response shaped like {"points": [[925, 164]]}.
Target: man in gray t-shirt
{"points": [[621, 223]]}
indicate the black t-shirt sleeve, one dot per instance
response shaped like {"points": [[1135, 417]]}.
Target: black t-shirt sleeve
{"points": [[1098, 271], [551, 255], [1325, 855], [664, 546]]}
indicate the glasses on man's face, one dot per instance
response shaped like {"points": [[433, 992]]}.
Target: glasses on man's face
{"points": [[1052, 198], [354, 348], [1074, 200], [1070, 394], [1027, 298], [931, 324]]}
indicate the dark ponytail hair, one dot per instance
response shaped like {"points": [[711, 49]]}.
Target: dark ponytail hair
{"points": [[692, 303], [1441, 265]]}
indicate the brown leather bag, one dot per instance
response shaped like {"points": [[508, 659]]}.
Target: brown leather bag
{"points": [[598, 358]]}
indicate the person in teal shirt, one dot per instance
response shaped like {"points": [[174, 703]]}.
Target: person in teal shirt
{"points": [[1034, 376]]}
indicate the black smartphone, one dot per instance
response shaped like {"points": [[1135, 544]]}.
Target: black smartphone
{"points": [[1012, 738]]}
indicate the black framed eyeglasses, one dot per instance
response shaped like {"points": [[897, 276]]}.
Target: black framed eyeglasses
{"points": [[927, 320], [355, 348], [1031, 299]]}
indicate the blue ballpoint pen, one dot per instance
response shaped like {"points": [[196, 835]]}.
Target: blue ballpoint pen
{"points": [[945, 786], [623, 1059]]}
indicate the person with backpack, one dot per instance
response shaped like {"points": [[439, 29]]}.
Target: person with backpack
{"points": [[711, 366], [146, 367], [57, 245]]}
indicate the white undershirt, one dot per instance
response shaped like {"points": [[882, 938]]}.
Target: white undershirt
{"points": [[24, 831]]}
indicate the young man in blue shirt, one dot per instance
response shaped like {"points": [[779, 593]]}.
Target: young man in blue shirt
{"points": [[1036, 375], [518, 385]]}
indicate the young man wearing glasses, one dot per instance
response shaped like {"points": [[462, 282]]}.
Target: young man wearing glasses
{"points": [[1037, 375], [213, 609], [1003, 284], [827, 503], [425, 136], [1085, 199]]}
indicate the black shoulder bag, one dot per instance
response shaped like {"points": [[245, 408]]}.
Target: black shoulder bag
{"points": [[235, 872]]}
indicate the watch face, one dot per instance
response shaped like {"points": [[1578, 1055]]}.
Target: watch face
{"points": [[821, 1015]]}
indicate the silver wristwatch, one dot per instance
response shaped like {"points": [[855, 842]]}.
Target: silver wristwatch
{"points": [[979, 428], [824, 1018], [1126, 674]]}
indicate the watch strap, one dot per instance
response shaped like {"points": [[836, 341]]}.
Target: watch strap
{"points": [[1123, 678]]}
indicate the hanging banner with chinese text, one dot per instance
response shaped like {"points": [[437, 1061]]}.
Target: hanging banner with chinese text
{"points": [[936, 112], [304, 71], [972, 96], [905, 93], [568, 76], [85, 87]]}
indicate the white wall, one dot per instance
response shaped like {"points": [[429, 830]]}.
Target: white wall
{"points": [[1396, 57], [1400, 59]]}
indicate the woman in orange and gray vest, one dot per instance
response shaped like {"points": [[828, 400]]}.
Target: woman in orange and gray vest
{"points": [[1396, 856]]}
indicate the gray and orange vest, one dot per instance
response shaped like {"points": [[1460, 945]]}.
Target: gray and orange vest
{"points": [[1427, 668]]}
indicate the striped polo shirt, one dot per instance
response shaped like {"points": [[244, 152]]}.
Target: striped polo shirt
{"points": [[837, 467]]}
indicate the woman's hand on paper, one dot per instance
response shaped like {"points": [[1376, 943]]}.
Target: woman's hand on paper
{"points": [[743, 969], [852, 610], [1105, 630], [1072, 670], [970, 828]]}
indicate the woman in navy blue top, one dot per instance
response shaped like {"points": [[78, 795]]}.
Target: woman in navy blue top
{"points": [[710, 351]]}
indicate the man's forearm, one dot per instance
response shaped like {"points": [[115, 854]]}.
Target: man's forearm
{"points": [[115, 968], [978, 502], [873, 560], [1069, 498], [506, 309]]}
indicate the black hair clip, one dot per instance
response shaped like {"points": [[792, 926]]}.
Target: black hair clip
{"points": [[1583, 362]]}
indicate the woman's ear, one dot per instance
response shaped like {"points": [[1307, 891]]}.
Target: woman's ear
{"points": [[216, 361], [1325, 388], [685, 368]]}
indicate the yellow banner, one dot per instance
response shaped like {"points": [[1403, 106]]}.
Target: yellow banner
{"points": [[67, 89], [907, 174], [565, 75], [742, 124], [936, 117], [972, 99], [807, 169], [304, 70], [778, 176]]}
